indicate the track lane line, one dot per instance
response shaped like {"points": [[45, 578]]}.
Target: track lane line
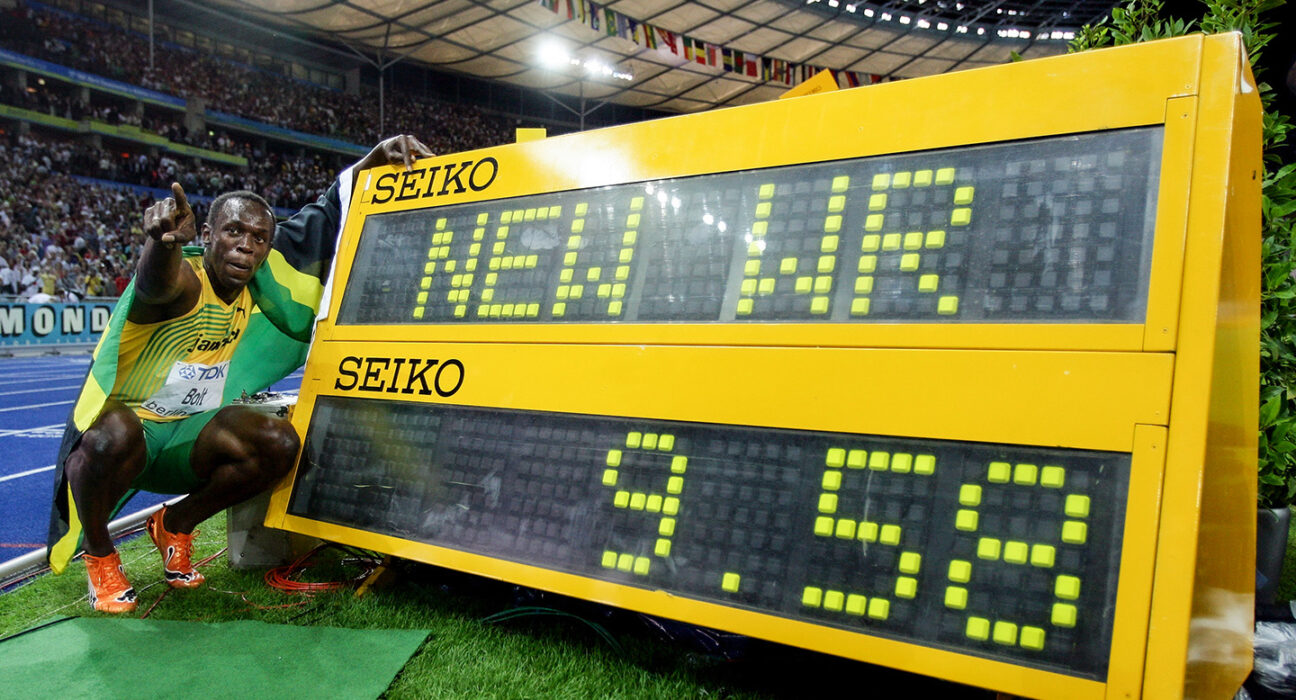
{"points": [[29, 472]]}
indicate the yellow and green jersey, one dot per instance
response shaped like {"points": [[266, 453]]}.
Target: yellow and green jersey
{"points": [[176, 368]]}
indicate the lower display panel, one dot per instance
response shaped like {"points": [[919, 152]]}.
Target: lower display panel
{"points": [[1003, 551]]}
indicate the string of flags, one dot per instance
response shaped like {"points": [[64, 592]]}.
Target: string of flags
{"points": [[613, 23]]}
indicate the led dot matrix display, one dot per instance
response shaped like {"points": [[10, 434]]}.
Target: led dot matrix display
{"points": [[1052, 229], [1006, 551]]}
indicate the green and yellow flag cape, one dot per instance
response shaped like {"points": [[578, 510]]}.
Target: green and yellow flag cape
{"points": [[287, 289]]}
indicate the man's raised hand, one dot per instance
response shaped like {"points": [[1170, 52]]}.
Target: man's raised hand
{"points": [[397, 150], [171, 220]]}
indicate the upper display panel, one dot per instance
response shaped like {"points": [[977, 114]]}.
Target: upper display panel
{"points": [[1053, 230]]}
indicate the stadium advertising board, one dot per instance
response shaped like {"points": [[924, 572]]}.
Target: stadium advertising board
{"points": [[52, 324], [922, 374]]}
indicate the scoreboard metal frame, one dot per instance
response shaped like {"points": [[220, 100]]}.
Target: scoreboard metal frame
{"points": [[1173, 390]]}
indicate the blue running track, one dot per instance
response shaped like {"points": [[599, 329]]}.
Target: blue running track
{"points": [[36, 394]]}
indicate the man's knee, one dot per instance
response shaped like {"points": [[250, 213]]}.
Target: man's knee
{"points": [[114, 443], [271, 442]]}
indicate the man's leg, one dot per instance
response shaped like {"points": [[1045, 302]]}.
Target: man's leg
{"points": [[238, 454], [99, 471]]}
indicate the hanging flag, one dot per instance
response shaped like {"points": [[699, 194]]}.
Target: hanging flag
{"points": [[650, 36], [610, 22], [571, 13], [669, 39], [712, 55], [750, 61]]}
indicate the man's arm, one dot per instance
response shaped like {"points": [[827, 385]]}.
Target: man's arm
{"points": [[165, 287]]}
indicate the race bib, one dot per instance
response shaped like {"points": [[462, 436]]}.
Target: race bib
{"points": [[190, 388]]}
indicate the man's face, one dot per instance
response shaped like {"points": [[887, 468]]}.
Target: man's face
{"points": [[238, 241]]}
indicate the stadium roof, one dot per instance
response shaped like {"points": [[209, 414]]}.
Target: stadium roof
{"points": [[503, 39]]}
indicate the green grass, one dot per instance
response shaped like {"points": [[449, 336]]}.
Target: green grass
{"points": [[1287, 582], [466, 655]]}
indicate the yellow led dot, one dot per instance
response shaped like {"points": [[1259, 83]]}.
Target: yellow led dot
{"points": [[925, 464], [1052, 477], [766, 286], [662, 548], [906, 587], [840, 183], [1077, 506], [901, 180], [766, 191], [856, 604], [666, 442], [755, 248], [562, 292], [422, 297], [506, 217], [650, 441], [826, 263], [838, 202], [860, 307], [675, 485], [1064, 615], [570, 258], [871, 243], [970, 495], [960, 571], [961, 217], [1074, 532], [496, 310], [614, 458], [460, 311], [988, 548], [829, 244], [910, 562], [956, 597], [864, 285], [834, 600], [881, 181], [832, 224], [748, 286], [803, 285], [856, 459], [531, 214], [1000, 473], [641, 565], [928, 283], [873, 222], [867, 532], [828, 503], [555, 212], [759, 228], [835, 457], [812, 597], [831, 481], [890, 534], [478, 234], [892, 241], [633, 440], [582, 209], [868, 264], [744, 307], [426, 282], [823, 526], [632, 221], [1043, 555], [1025, 474], [730, 581], [1015, 552], [637, 500], [626, 255], [429, 268], [623, 272], [1032, 638], [913, 240], [879, 460], [609, 477], [763, 210], [469, 266], [418, 313], [935, 239], [578, 225], [654, 504], [966, 520], [1067, 587], [922, 178], [533, 310], [879, 608], [978, 628], [636, 204], [902, 462], [1005, 633], [947, 306], [593, 274], [670, 506], [609, 560], [845, 529], [604, 290], [909, 262], [441, 224], [507, 311], [666, 527], [621, 499], [787, 266], [482, 218], [752, 268], [963, 195], [819, 305], [945, 176]]}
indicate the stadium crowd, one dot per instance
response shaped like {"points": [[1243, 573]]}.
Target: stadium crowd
{"points": [[242, 90]]}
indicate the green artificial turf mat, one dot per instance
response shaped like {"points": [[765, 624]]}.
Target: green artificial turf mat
{"points": [[129, 658]]}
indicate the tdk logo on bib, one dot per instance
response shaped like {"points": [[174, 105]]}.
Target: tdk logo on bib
{"points": [[190, 388], [201, 372]]}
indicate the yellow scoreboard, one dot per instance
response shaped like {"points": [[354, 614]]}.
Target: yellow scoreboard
{"points": [[956, 375]]}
